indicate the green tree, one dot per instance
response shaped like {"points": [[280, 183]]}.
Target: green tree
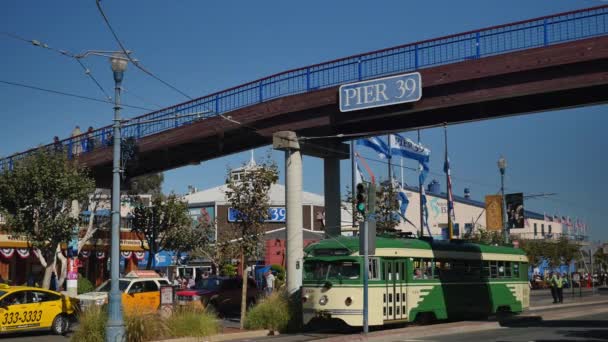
{"points": [[486, 237], [157, 223], [147, 184], [601, 258], [249, 197], [387, 208], [199, 236], [37, 196]]}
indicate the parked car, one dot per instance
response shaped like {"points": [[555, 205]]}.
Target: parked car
{"points": [[24, 308], [222, 294], [140, 292]]}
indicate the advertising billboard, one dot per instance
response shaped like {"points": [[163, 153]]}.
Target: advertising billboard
{"points": [[515, 210], [494, 212]]}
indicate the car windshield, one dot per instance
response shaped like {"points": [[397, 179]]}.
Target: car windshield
{"points": [[335, 270], [211, 284], [2, 293], [105, 287]]}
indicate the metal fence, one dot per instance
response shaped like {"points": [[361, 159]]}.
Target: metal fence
{"points": [[549, 236], [455, 48]]}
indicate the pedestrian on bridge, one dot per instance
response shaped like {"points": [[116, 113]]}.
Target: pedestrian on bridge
{"points": [[76, 147]]}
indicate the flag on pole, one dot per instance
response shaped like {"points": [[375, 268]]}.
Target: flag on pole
{"points": [[556, 219], [358, 174], [377, 145], [446, 169], [403, 201], [425, 211]]}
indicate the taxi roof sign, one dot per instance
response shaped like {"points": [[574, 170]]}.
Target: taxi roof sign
{"points": [[142, 274]]}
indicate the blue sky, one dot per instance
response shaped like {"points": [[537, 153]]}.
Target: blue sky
{"points": [[205, 46]]}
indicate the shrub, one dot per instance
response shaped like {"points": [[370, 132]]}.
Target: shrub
{"points": [[279, 270], [272, 313], [141, 328], [92, 325], [84, 285], [228, 270], [188, 322]]}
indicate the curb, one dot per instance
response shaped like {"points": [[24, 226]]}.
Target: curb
{"points": [[223, 337], [428, 331], [547, 307]]}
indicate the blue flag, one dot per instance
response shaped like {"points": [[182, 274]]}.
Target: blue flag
{"points": [[377, 145]]}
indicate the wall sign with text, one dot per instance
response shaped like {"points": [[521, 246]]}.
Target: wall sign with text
{"points": [[275, 214], [381, 92]]}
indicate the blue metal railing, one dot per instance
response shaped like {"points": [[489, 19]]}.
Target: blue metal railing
{"points": [[522, 35]]}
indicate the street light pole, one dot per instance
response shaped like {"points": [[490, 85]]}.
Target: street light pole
{"points": [[115, 330], [502, 166]]}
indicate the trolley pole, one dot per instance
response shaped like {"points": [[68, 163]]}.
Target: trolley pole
{"points": [[365, 226]]}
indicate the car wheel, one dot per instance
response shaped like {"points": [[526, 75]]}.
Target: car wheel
{"points": [[61, 325]]}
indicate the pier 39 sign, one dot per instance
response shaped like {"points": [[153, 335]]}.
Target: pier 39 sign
{"points": [[381, 92]]}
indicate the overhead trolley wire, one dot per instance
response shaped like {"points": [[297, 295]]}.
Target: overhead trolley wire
{"points": [[66, 53], [69, 94], [128, 55]]}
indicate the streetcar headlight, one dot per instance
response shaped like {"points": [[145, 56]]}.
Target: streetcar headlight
{"points": [[348, 301], [323, 300], [304, 299]]}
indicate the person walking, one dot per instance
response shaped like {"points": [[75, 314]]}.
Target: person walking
{"points": [[559, 288], [551, 281], [269, 283]]}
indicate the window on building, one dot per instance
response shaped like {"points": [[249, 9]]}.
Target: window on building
{"points": [[549, 229], [468, 228], [542, 229], [535, 230]]}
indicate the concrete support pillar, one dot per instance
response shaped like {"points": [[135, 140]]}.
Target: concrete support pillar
{"points": [[287, 141], [331, 185]]}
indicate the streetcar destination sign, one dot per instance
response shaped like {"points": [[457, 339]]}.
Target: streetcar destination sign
{"points": [[381, 92]]}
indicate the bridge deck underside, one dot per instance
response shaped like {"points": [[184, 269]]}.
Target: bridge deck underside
{"points": [[541, 79]]}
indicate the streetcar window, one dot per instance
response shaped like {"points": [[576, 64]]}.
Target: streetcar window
{"points": [[493, 269], [508, 269], [374, 273], [501, 269], [422, 268], [336, 270], [485, 272], [516, 270]]}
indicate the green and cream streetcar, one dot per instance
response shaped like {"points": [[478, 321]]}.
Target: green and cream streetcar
{"points": [[413, 279]]}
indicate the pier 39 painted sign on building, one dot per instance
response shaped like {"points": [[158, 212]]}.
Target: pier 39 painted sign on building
{"points": [[381, 92]]}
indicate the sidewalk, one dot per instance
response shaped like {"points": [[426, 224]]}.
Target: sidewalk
{"points": [[563, 310]]}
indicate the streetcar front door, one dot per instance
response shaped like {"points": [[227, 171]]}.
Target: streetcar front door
{"points": [[393, 275]]}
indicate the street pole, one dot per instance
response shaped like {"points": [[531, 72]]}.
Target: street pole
{"points": [[502, 166], [390, 165], [365, 228], [353, 167], [420, 190], [115, 330]]}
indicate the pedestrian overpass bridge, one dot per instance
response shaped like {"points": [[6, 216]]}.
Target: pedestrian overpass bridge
{"points": [[534, 65]]}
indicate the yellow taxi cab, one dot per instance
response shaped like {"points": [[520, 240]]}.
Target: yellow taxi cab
{"points": [[24, 308], [140, 292]]}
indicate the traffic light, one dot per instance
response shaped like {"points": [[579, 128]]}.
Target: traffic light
{"points": [[361, 198]]}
